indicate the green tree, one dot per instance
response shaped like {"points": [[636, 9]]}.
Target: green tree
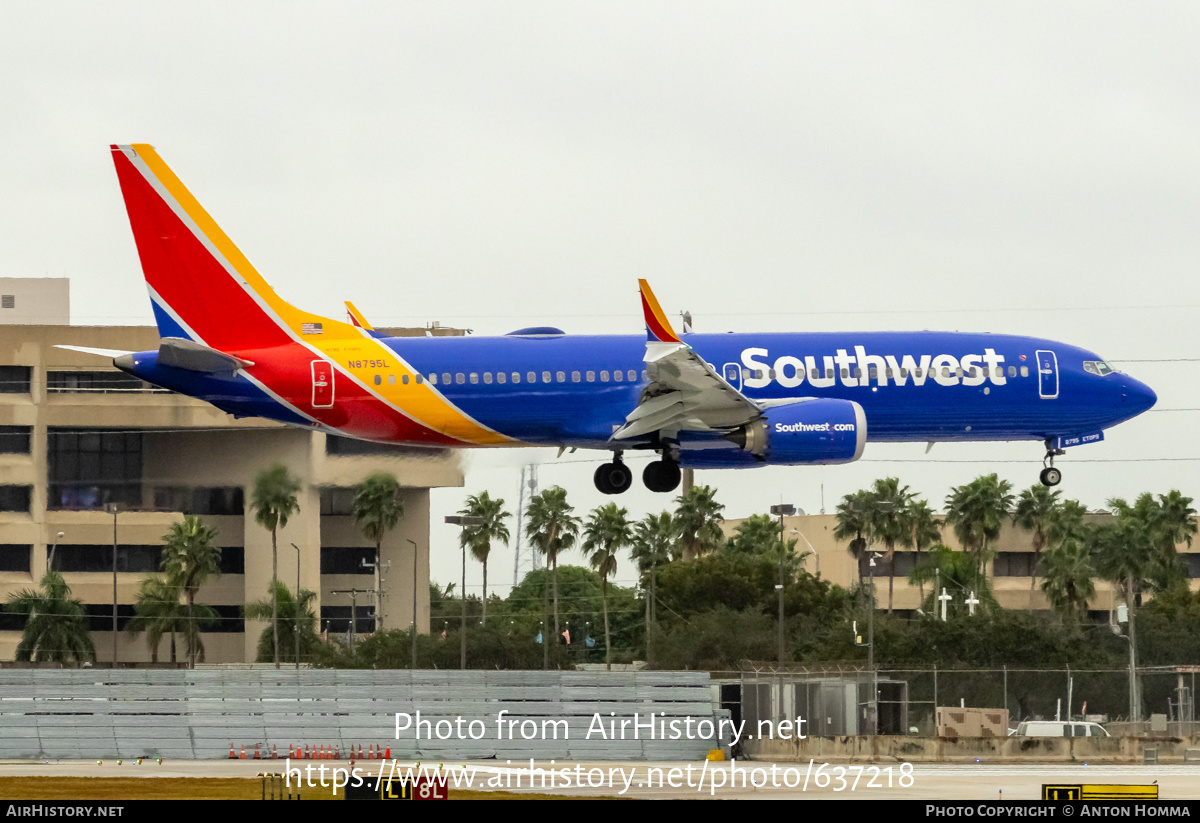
{"points": [[56, 627], [1067, 577], [854, 524], [924, 531], [190, 556], [1037, 507], [887, 521], [977, 512], [1174, 522], [653, 537], [698, 521], [158, 612], [377, 509], [957, 573], [552, 530], [283, 602], [606, 532], [275, 500], [479, 538]]}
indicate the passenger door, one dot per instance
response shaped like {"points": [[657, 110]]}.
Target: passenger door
{"points": [[1047, 366]]}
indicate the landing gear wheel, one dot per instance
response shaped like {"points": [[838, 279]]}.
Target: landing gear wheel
{"points": [[1050, 476], [662, 476], [613, 478]]}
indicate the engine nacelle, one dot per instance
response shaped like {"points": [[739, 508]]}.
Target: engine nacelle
{"points": [[807, 432]]}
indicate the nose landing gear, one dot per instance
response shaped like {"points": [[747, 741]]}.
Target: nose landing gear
{"points": [[614, 477], [1050, 476]]}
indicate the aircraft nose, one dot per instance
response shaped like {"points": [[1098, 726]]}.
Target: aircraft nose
{"points": [[1136, 396]]}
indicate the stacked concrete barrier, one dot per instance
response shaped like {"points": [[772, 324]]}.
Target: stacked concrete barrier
{"points": [[99, 713]]}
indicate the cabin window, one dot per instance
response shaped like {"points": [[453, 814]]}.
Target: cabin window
{"points": [[1024, 371], [771, 373], [916, 372], [445, 378], [487, 377], [516, 377], [888, 372], [474, 378], [815, 374], [531, 377], [604, 377], [617, 376], [958, 373], [545, 377], [632, 376], [379, 380], [1012, 371], [845, 374], [576, 377], [829, 374], [591, 377], [745, 374], [872, 372], [460, 378], [945, 371], [999, 371], [392, 379], [420, 379], [857, 373], [433, 379], [646, 376], [562, 376], [501, 377], [904, 374]]}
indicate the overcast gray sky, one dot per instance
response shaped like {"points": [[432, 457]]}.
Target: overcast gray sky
{"points": [[1028, 168]]}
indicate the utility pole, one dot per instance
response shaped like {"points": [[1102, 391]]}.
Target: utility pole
{"points": [[782, 509], [354, 593], [378, 568], [114, 508], [296, 607], [413, 637], [464, 522]]}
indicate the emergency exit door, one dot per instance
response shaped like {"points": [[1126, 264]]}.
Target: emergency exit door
{"points": [[322, 384]]}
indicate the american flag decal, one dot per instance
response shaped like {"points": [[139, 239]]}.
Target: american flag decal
{"points": [[311, 328]]}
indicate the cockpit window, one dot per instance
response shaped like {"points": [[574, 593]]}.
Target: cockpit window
{"points": [[1097, 367]]}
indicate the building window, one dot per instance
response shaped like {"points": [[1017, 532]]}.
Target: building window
{"points": [[88, 468], [8, 301], [337, 445], [229, 621], [233, 560], [99, 558], [95, 381], [1193, 561], [15, 498], [15, 557], [1013, 564], [337, 501], [336, 619], [228, 500], [14, 379], [99, 616], [347, 560], [15, 439]]}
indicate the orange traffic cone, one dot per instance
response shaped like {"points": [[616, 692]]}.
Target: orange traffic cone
{"points": [[274, 752], [388, 755], [232, 755], [257, 754], [291, 752], [337, 752], [360, 751], [306, 757], [371, 751], [243, 752]]}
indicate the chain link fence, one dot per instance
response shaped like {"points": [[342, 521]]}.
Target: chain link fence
{"points": [[837, 701]]}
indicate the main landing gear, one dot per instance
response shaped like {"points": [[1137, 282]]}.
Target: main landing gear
{"points": [[614, 477], [662, 475], [1050, 476]]}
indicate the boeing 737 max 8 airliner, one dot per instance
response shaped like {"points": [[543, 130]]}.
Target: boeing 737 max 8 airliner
{"points": [[700, 400]]}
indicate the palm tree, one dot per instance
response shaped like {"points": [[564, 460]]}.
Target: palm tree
{"points": [[189, 558], [275, 500], [607, 531], [158, 612], [377, 509], [1175, 523], [479, 538], [1036, 509], [977, 511], [283, 601], [886, 518], [653, 538], [56, 627], [1067, 577], [552, 530], [924, 531], [853, 524], [698, 521]]}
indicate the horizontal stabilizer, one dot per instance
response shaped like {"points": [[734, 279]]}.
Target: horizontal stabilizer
{"points": [[91, 350], [186, 354]]}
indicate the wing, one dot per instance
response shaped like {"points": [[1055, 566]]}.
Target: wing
{"points": [[685, 392]]}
